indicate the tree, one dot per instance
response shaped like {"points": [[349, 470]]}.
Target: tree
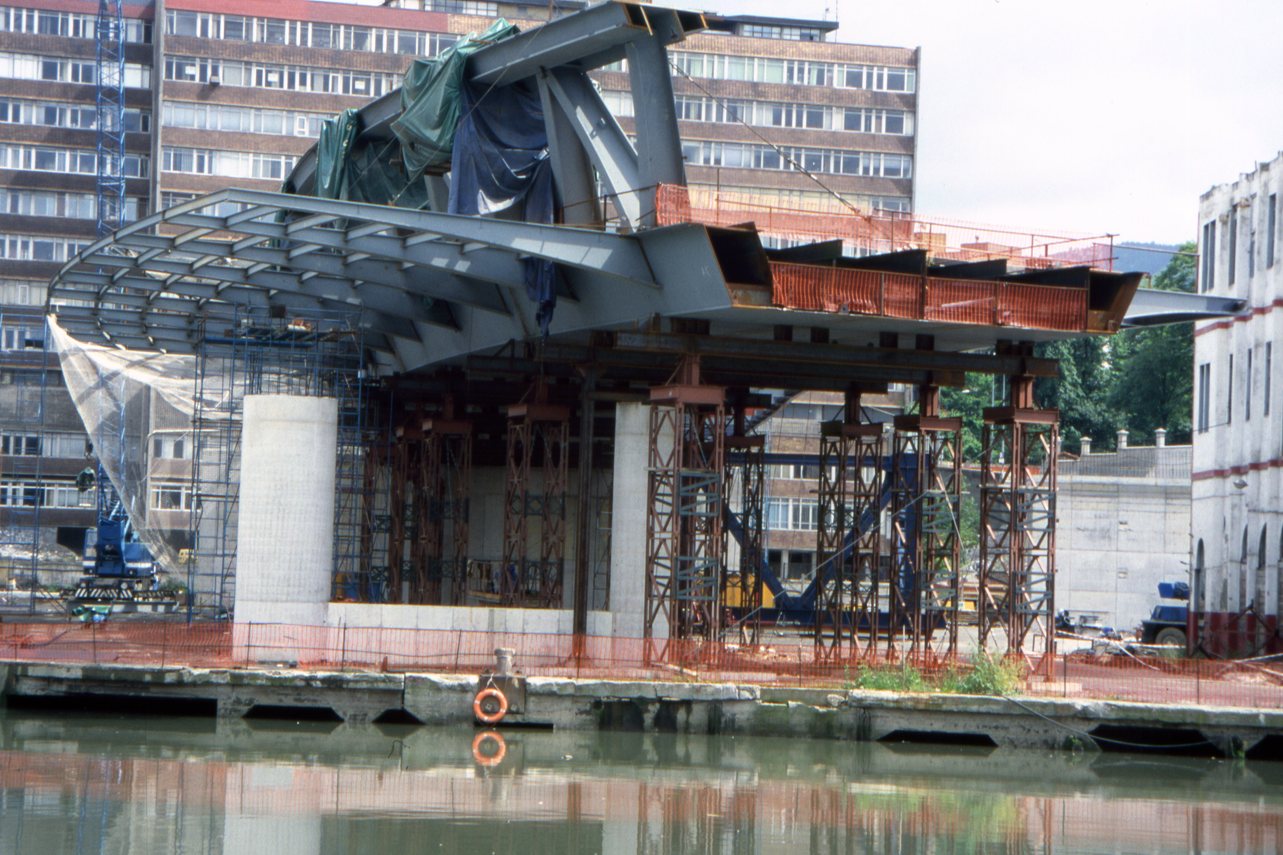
{"points": [[1154, 366], [1083, 392]]}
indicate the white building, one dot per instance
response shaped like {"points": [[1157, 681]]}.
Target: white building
{"points": [[1122, 526], [1238, 418]]}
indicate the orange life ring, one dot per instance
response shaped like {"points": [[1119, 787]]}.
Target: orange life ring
{"points": [[489, 760], [480, 707]]}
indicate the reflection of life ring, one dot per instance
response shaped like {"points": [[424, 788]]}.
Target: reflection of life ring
{"points": [[489, 758], [490, 705]]}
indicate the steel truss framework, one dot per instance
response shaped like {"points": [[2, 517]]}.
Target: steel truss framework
{"points": [[445, 476], [848, 540], [926, 588], [748, 474], [424, 474], [686, 479], [538, 439], [1018, 532]]}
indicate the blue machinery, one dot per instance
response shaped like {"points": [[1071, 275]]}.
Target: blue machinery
{"points": [[116, 563], [110, 119]]}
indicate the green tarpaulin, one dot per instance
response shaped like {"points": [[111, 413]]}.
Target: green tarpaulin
{"points": [[430, 101]]}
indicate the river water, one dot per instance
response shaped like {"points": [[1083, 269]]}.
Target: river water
{"points": [[102, 784]]}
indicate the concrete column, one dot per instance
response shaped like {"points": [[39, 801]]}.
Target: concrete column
{"points": [[1122, 439], [285, 531], [628, 521], [1160, 438], [1084, 448]]}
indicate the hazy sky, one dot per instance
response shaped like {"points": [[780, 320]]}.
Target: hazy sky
{"points": [[1086, 116]]}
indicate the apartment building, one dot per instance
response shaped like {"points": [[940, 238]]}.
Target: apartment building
{"points": [[230, 93], [1237, 560]]}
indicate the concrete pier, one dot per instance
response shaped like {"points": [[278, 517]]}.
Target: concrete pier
{"points": [[587, 704]]}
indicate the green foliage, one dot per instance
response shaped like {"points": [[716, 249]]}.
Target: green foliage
{"points": [[968, 403], [890, 678], [1139, 379], [1083, 392], [969, 520], [1153, 386], [987, 675]]}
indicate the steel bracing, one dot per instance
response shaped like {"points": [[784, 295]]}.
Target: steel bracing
{"points": [[746, 480], [445, 478], [537, 475], [926, 497], [1018, 529], [848, 539], [686, 479]]}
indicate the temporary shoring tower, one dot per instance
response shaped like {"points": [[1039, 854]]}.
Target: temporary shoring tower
{"points": [[659, 309], [252, 353]]}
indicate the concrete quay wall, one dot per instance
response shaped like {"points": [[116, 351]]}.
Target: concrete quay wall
{"points": [[682, 707]]}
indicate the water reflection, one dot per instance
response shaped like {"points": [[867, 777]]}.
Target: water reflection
{"points": [[131, 785]]}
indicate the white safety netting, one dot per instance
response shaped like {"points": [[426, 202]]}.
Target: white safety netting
{"points": [[139, 409]]}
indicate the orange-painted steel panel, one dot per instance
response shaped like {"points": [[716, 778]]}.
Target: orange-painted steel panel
{"points": [[897, 295]]}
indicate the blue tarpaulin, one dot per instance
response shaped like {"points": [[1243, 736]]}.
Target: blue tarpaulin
{"points": [[500, 167]]}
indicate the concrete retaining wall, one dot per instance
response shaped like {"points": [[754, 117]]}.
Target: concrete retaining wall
{"points": [[646, 706]]}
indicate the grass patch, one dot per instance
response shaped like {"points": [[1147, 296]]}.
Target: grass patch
{"points": [[988, 675], [890, 678]]}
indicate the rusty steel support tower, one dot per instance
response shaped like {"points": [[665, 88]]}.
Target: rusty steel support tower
{"points": [[747, 475], [445, 476], [927, 496], [1018, 527], [538, 441], [848, 536], [403, 458], [686, 479]]}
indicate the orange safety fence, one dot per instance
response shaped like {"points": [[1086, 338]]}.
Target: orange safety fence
{"points": [[880, 232], [787, 660], [898, 295]]}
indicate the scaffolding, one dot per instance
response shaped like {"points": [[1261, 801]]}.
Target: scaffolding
{"points": [[602, 497], [685, 482], [927, 495], [1018, 527], [848, 538], [746, 482], [538, 445], [253, 353], [445, 474], [23, 491]]}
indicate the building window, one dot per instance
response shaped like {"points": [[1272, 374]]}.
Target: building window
{"points": [[1209, 256], [1204, 395], [1271, 227], [1269, 378], [1229, 392], [1247, 388], [1233, 247], [20, 444], [169, 447], [1251, 240], [171, 497], [20, 338], [791, 514]]}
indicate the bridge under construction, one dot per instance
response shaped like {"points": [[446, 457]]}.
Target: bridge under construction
{"points": [[488, 353]]}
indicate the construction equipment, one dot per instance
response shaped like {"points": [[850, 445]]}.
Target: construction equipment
{"points": [[120, 571], [1168, 623]]}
